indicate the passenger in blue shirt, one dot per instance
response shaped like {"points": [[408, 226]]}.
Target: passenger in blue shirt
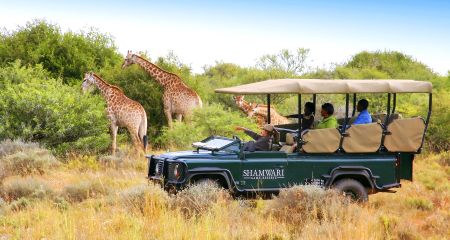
{"points": [[364, 116]]}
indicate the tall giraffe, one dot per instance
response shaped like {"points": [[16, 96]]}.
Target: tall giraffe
{"points": [[275, 117], [178, 98], [248, 108], [122, 111]]}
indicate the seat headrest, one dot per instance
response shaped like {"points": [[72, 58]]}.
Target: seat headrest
{"points": [[290, 139]]}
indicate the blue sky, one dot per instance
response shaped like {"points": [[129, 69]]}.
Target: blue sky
{"points": [[201, 32]]}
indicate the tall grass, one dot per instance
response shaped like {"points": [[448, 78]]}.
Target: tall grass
{"points": [[117, 203]]}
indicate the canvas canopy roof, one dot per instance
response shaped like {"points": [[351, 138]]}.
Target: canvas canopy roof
{"points": [[296, 86]]}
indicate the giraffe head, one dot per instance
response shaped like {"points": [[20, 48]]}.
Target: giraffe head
{"points": [[129, 59], [239, 100], [254, 109], [88, 81]]}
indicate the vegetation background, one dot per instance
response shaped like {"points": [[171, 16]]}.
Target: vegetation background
{"points": [[75, 190]]}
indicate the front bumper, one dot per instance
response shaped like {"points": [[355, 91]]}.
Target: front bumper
{"points": [[160, 172]]}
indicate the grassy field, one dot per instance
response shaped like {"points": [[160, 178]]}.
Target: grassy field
{"points": [[89, 197]]}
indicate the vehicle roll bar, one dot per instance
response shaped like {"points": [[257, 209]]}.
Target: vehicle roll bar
{"points": [[268, 108], [388, 110], [427, 121], [354, 105]]}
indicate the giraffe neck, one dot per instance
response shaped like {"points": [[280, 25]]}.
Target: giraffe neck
{"points": [[246, 106], [104, 87], [162, 77]]}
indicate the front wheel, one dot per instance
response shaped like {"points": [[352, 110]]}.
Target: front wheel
{"points": [[207, 182], [352, 188]]}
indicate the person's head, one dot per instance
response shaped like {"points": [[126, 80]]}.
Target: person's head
{"points": [[267, 130], [309, 108], [363, 104], [327, 110]]}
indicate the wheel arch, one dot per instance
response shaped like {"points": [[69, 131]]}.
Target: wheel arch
{"points": [[358, 173], [221, 175]]}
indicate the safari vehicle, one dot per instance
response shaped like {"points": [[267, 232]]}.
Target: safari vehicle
{"points": [[356, 159]]}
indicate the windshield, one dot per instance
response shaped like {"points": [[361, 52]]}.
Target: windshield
{"points": [[215, 143]]}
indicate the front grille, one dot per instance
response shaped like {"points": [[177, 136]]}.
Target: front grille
{"points": [[159, 168]]}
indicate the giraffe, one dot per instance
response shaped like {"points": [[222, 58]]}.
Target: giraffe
{"points": [[247, 108], [178, 98], [122, 111], [275, 117]]}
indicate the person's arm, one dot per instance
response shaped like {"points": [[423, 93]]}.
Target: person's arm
{"points": [[252, 134], [249, 132]]}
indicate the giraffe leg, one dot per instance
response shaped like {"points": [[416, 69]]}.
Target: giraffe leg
{"points": [[168, 116], [179, 117], [114, 129], [135, 138]]}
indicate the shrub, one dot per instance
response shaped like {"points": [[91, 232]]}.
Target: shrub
{"points": [[3, 173], [83, 162], [300, 204], [26, 188], [61, 203], [144, 198], [438, 135], [9, 147], [419, 203], [3, 205], [198, 199], [84, 190], [25, 158], [53, 114], [20, 204]]}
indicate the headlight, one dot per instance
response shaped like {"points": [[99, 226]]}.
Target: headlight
{"points": [[176, 171]]}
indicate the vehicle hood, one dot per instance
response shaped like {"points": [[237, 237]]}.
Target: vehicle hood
{"points": [[195, 155]]}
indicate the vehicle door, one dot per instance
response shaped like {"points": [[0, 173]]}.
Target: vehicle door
{"points": [[263, 170]]}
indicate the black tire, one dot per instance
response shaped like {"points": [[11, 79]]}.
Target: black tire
{"points": [[352, 188]]}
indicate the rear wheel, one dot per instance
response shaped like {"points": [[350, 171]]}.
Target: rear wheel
{"points": [[352, 188]]}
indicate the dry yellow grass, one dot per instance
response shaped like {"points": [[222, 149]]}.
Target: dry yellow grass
{"points": [[130, 208]]}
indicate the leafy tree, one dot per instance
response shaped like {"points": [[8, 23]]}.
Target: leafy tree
{"points": [[285, 61], [65, 55]]}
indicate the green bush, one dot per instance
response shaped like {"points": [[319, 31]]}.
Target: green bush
{"points": [[209, 120], [438, 135], [51, 113]]}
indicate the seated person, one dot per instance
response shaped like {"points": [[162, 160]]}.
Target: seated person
{"points": [[262, 140], [363, 116], [329, 120], [308, 116]]}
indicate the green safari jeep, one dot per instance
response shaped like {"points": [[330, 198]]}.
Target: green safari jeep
{"points": [[355, 159]]}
